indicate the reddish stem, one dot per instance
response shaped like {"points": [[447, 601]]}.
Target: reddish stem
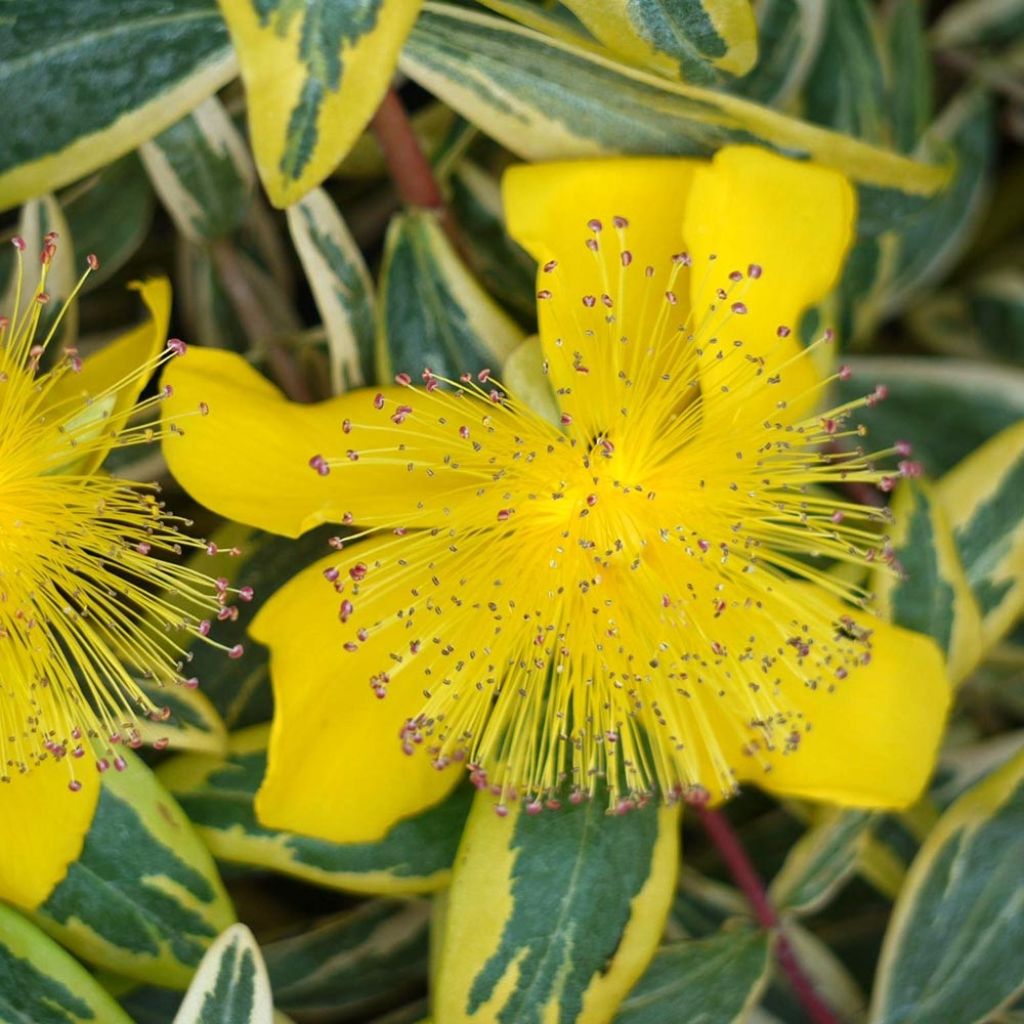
{"points": [[408, 165], [728, 844]]}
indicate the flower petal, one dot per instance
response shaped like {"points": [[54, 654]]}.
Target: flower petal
{"points": [[248, 457], [44, 826], [119, 360], [874, 739], [336, 767], [795, 220], [548, 208]]}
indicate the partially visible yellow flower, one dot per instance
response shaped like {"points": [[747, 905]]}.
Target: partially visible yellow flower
{"points": [[635, 594], [91, 597]]}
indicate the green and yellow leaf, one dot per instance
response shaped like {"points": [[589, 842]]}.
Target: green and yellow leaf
{"points": [[192, 723], [128, 69], [688, 40], [983, 497], [716, 980], [42, 984], [911, 87], [314, 74], [933, 595], [144, 898], [979, 22], [953, 950], [526, 936], [201, 169], [231, 985], [545, 99], [431, 311], [341, 286], [217, 794], [370, 958]]}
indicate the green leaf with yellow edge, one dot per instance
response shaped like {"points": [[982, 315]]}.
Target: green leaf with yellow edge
{"points": [[354, 963], [201, 169], [933, 595], [431, 311], [144, 898], [110, 214], [716, 980], [911, 86], [552, 19], [954, 950], [821, 861], [946, 408], [128, 69], [790, 33], [217, 794], [231, 985], [314, 74], [689, 40], [983, 497], [192, 722], [552, 917], [545, 99], [826, 972], [979, 23], [41, 984], [341, 286]]}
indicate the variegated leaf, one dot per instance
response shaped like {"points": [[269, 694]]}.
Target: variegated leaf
{"points": [[217, 794], [143, 899], [231, 985], [192, 722], [201, 169], [314, 74], [128, 69], [341, 286], [431, 311], [525, 938], [42, 984]]}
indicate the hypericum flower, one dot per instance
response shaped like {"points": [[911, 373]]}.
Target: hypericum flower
{"points": [[90, 602], [632, 593]]}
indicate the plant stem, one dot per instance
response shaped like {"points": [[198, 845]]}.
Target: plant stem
{"points": [[729, 846], [407, 163]]}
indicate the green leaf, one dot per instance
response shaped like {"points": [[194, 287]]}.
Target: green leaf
{"points": [[143, 899], [821, 862], [192, 722], [352, 964], [690, 40], [545, 99], [702, 906], [933, 596], [846, 88], [909, 100], [42, 984], [954, 950], [91, 80], [341, 286], [431, 312], [201, 169], [983, 497], [552, 917], [231, 985], [314, 74], [523, 374], [945, 407], [217, 794], [109, 215], [789, 35], [717, 980], [933, 240], [979, 23]]}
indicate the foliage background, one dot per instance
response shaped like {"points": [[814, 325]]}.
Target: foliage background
{"points": [[127, 131]]}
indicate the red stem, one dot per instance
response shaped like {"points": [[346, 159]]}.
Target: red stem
{"points": [[409, 168], [728, 844]]}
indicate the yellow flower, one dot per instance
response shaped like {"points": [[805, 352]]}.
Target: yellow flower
{"points": [[89, 601], [633, 593]]}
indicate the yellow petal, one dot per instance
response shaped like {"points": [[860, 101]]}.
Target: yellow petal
{"points": [[336, 768], [44, 826], [874, 739], [548, 208], [119, 360], [793, 219], [248, 457]]}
